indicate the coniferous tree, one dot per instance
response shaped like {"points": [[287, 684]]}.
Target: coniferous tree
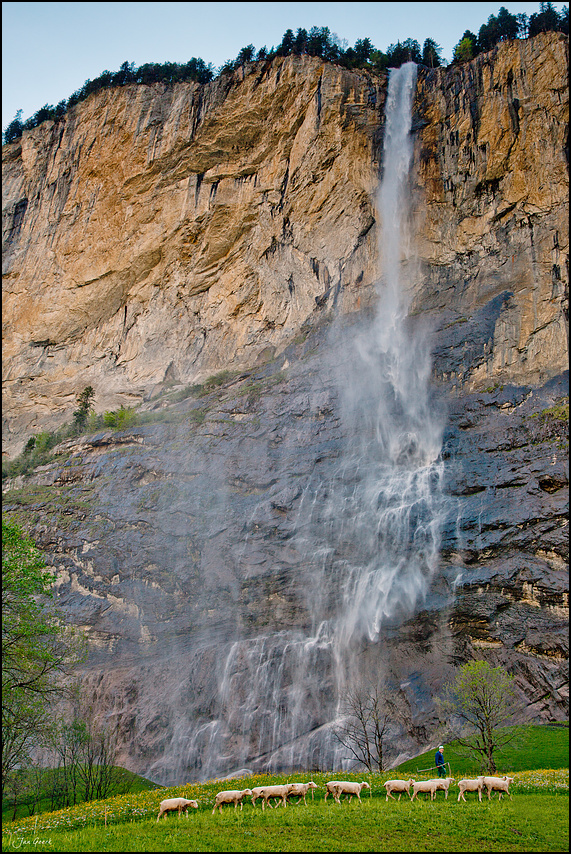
{"points": [[15, 128], [467, 47], [523, 24], [487, 34], [246, 54], [300, 42], [287, 43], [363, 49], [507, 25], [546, 20], [320, 42], [431, 53], [126, 74], [84, 406], [407, 51]]}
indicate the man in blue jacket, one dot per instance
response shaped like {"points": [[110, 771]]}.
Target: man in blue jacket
{"points": [[439, 759]]}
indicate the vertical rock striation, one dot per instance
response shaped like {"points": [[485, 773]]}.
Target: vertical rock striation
{"points": [[493, 225]]}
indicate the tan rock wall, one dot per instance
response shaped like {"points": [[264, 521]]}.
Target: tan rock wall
{"points": [[167, 233], [180, 230], [494, 209]]}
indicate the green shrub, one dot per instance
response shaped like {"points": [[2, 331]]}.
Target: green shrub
{"points": [[560, 412], [46, 441], [120, 418], [211, 383]]}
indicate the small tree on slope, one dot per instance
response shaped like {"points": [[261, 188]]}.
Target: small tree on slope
{"points": [[475, 705]]}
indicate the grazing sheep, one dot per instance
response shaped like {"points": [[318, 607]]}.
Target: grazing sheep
{"points": [[399, 786], [256, 793], [474, 785], [300, 790], [171, 804], [345, 787], [443, 784], [232, 796], [275, 792], [425, 786], [330, 786], [498, 784]]}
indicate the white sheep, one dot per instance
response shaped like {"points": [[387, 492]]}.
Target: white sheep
{"points": [[424, 786], [232, 796], [300, 790], [171, 804], [275, 792], [474, 785], [399, 786], [443, 784], [498, 784], [256, 793], [345, 787]]}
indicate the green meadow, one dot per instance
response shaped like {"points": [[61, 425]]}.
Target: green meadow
{"points": [[535, 819]]}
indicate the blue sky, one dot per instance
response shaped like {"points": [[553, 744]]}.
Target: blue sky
{"points": [[50, 49]]}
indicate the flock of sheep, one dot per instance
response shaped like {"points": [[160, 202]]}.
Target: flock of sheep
{"points": [[430, 787], [342, 787]]}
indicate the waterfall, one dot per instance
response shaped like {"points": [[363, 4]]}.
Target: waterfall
{"points": [[369, 533], [383, 514], [377, 524]]}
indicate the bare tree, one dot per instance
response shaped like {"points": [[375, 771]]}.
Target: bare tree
{"points": [[88, 751], [367, 715], [97, 770]]}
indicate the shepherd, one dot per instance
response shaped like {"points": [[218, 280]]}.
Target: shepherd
{"points": [[439, 760]]}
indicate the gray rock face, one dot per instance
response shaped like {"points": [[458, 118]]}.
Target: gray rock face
{"points": [[181, 548]]}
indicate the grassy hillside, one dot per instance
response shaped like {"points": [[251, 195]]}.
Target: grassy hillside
{"points": [[123, 782], [536, 819], [528, 823], [532, 747]]}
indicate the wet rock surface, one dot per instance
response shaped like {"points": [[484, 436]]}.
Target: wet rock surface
{"points": [[178, 539]]}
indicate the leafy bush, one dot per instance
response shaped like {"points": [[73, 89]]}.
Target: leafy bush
{"points": [[37, 452], [120, 418], [211, 383]]}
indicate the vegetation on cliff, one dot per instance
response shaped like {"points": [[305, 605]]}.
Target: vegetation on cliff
{"points": [[319, 42], [41, 448], [504, 26]]}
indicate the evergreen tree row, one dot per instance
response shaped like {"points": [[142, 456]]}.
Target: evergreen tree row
{"points": [[319, 42], [504, 26]]}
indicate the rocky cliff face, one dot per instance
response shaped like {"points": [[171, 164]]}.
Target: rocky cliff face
{"points": [[493, 223], [156, 237], [167, 234]]}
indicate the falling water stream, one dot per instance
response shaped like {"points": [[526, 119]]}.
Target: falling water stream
{"points": [[371, 533]]}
